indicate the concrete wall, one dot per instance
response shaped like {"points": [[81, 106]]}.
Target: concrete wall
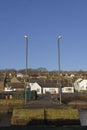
{"points": [[24, 116]]}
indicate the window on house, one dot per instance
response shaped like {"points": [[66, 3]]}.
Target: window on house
{"points": [[51, 90], [69, 89], [38, 90]]}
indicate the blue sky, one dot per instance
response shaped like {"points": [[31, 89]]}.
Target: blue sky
{"points": [[43, 21]]}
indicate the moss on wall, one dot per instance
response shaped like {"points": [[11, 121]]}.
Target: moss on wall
{"points": [[24, 116]]}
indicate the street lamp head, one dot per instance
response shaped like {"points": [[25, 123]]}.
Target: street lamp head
{"points": [[59, 37], [26, 36]]}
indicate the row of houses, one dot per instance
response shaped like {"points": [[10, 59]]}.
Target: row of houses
{"points": [[20, 75], [80, 85], [50, 87], [40, 90]]}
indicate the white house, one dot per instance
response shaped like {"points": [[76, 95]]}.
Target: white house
{"points": [[72, 75], [51, 90], [19, 75], [9, 89], [83, 85], [68, 90], [76, 84], [35, 86], [80, 85]]}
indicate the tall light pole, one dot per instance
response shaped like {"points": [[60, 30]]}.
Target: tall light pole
{"points": [[59, 80], [26, 39]]}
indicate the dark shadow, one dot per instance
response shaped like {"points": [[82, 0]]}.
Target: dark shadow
{"points": [[60, 122]]}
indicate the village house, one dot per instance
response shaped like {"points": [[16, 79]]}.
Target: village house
{"points": [[35, 86], [80, 85], [51, 90], [50, 87], [15, 84], [68, 90], [19, 75]]}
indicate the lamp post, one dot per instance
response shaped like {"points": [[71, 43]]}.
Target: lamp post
{"points": [[26, 39], [59, 38]]}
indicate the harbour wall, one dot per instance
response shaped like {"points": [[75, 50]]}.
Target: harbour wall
{"points": [[44, 116]]}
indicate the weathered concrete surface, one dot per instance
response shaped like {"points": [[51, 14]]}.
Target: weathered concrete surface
{"points": [[24, 116]]}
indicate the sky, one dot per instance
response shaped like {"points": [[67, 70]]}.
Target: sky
{"points": [[43, 21]]}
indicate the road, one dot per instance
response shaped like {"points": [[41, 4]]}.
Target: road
{"points": [[45, 101], [75, 100]]}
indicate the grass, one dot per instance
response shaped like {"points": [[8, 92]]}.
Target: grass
{"points": [[13, 102], [8, 105]]}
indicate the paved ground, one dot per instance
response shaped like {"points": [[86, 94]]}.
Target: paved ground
{"points": [[45, 101]]}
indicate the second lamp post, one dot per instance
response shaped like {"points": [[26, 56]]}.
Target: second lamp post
{"points": [[59, 80], [26, 38]]}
